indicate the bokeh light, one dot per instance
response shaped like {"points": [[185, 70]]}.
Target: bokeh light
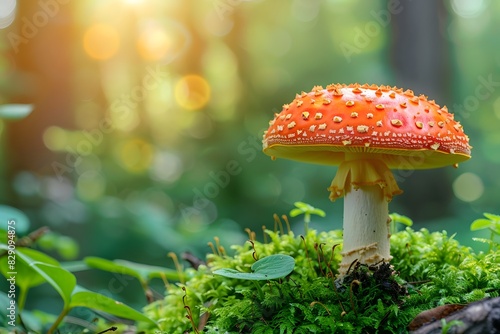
{"points": [[124, 116], [136, 155], [166, 167], [88, 163], [26, 184], [496, 107], [90, 186], [134, 2], [305, 10], [192, 92], [55, 138], [149, 115], [7, 12], [153, 42], [217, 26], [468, 187], [101, 41], [468, 9]]}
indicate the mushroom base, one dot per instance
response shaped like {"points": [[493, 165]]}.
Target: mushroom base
{"points": [[366, 227]]}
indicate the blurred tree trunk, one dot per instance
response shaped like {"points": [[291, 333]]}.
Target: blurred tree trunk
{"points": [[421, 59], [42, 66]]}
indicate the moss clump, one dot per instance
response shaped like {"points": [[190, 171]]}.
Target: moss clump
{"points": [[428, 269]]}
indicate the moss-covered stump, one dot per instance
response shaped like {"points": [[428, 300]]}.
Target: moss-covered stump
{"points": [[427, 270]]}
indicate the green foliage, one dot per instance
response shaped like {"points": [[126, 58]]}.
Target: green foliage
{"points": [[492, 222], [433, 268], [307, 210], [28, 268], [398, 219], [34, 268], [65, 246], [446, 326], [286, 284], [270, 267]]}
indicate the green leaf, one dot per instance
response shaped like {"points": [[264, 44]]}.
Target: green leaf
{"points": [[61, 280], [302, 208], [96, 301], [26, 277], [111, 266], [140, 271], [49, 270], [36, 320], [270, 267], [67, 247], [22, 222], [148, 271], [480, 224], [296, 212], [302, 205], [318, 212], [397, 218], [492, 217], [15, 111], [483, 240], [75, 266]]}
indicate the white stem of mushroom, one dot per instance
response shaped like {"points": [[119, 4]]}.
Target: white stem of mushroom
{"points": [[366, 227]]}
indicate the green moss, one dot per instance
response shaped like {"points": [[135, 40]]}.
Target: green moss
{"points": [[429, 269]]}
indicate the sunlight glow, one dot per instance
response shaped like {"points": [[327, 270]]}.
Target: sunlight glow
{"points": [[468, 9], [468, 187], [91, 186], [192, 92], [136, 155], [55, 138], [124, 117], [153, 42], [133, 2], [101, 41], [166, 167]]}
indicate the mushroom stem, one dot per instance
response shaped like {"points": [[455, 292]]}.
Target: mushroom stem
{"points": [[366, 230], [367, 185]]}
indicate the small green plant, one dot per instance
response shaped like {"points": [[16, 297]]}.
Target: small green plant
{"points": [[268, 268], [271, 267], [142, 272], [26, 268], [398, 219], [300, 294], [307, 210], [446, 326], [428, 269], [492, 223]]}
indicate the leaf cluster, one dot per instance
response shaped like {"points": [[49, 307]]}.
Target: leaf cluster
{"points": [[286, 284], [428, 269], [441, 271], [28, 268]]}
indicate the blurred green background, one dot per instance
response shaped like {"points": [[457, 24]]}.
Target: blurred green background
{"points": [[146, 132]]}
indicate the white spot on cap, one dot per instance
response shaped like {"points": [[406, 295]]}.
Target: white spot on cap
{"points": [[435, 146], [362, 128]]}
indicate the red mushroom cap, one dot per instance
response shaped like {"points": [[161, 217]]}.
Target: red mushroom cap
{"points": [[387, 122]]}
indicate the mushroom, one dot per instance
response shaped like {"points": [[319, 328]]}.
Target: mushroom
{"points": [[366, 130]]}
